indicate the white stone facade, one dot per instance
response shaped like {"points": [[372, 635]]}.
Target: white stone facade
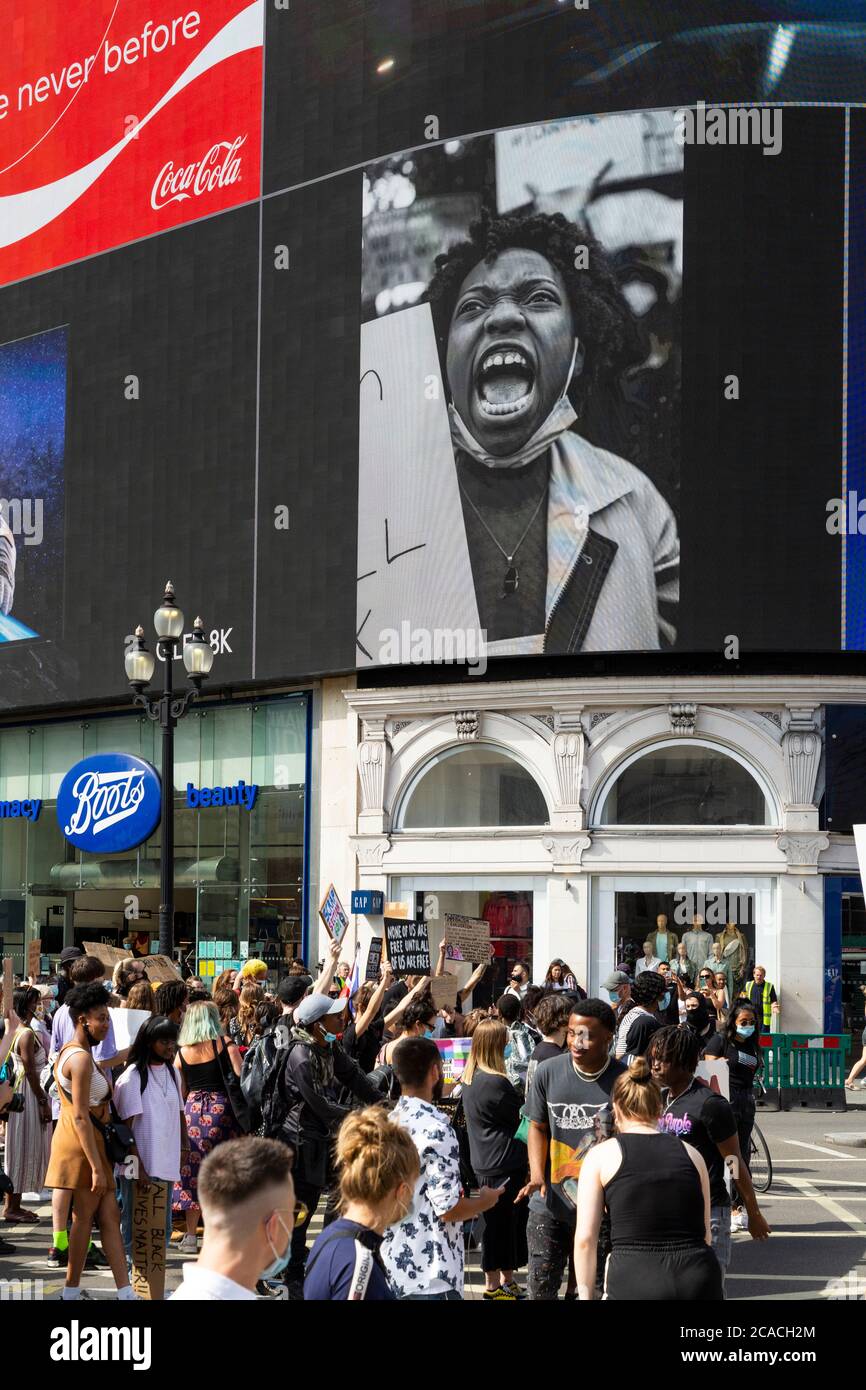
{"points": [[575, 738]]}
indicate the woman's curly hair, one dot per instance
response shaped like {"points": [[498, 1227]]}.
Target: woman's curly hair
{"points": [[597, 306]]}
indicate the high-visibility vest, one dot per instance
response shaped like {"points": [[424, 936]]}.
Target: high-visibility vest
{"points": [[765, 1000]]}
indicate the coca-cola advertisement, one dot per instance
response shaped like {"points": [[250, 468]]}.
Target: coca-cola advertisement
{"points": [[120, 119]]}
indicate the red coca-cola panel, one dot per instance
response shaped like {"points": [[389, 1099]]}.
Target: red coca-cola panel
{"points": [[122, 118]]}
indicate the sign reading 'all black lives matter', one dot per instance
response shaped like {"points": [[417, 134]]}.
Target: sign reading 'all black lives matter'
{"points": [[408, 946]]}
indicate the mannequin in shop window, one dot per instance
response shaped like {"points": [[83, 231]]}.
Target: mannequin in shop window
{"points": [[664, 941], [735, 949], [649, 960], [698, 943]]}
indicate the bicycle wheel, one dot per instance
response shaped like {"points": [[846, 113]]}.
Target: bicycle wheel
{"points": [[760, 1162]]}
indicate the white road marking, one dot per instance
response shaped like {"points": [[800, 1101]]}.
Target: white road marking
{"points": [[845, 1158], [837, 1211]]}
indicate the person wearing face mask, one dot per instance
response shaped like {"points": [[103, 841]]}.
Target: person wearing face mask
{"points": [[518, 981], [492, 1110], [738, 1044], [424, 1252], [700, 1018], [250, 1210], [316, 1071], [378, 1167]]}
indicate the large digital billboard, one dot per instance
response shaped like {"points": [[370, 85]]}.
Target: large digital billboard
{"points": [[552, 365]]}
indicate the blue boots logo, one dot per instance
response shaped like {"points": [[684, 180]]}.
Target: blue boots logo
{"points": [[109, 802]]}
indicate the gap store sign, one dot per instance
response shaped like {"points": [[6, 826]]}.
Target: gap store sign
{"points": [[110, 802]]}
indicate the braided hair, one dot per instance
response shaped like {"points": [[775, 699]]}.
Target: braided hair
{"points": [[679, 1046]]}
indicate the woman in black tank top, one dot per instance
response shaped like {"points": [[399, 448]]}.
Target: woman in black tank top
{"points": [[657, 1195]]}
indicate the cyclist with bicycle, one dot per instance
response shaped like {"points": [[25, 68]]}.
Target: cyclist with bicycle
{"points": [[700, 1117], [738, 1044]]}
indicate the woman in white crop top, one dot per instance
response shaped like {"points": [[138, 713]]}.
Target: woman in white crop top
{"points": [[79, 1162]]}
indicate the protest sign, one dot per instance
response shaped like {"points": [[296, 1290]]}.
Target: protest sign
{"points": [[126, 1023], [455, 1054], [716, 1074], [148, 1238], [34, 951], [374, 958], [468, 938], [333, 914], [444, 991], [160, 969], [408, 946], [108, 955], [8, 986]]}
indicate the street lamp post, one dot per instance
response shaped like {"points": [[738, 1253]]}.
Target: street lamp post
{"points": [[166, 710]]}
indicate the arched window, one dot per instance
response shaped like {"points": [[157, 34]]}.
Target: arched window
{"points": [[476, 786], [685, 783]]}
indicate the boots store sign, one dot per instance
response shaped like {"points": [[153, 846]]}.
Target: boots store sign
{"points": [[109, 802], [122, 118]]}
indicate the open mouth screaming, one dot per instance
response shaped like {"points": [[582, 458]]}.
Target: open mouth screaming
{"points": [[504, 382]]}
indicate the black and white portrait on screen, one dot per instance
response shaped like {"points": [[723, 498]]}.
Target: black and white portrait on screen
{"points": [[520, 391]]}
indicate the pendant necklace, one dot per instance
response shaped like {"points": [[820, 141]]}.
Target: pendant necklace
{"points": [[511, 580]]}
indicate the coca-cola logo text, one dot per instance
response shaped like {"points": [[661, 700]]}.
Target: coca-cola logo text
{"points": [[219, 168]]}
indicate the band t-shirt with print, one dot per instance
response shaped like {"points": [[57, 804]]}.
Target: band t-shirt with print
{"points": [[577, 1114]]}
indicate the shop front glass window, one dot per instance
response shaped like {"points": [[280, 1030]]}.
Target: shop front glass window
{"points": [[685, 785], [476, 786]]}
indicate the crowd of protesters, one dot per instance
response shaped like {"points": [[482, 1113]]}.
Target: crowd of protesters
{"points": [[579, 1149]]}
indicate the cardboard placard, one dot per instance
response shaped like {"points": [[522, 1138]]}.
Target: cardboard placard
{"points": [[333, 914], [374, 959], [108, 955], [34, 951], [160, 969], [148, 1238], [408, 946], [444, 991], [397, 910], [8, 986], [467, 937]]}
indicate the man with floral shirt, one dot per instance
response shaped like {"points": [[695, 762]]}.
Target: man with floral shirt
{"points": [[423, 1253]]}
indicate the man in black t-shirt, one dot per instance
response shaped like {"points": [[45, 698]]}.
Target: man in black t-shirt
{"points": [[570, 1110], [703, 1118]]}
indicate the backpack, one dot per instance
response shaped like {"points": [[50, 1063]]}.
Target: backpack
{"points": [[273, 1104], [384, 1077], [258, 1060]]}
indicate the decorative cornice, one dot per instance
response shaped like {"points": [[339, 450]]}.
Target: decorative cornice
{"points": [[610, 693]]}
